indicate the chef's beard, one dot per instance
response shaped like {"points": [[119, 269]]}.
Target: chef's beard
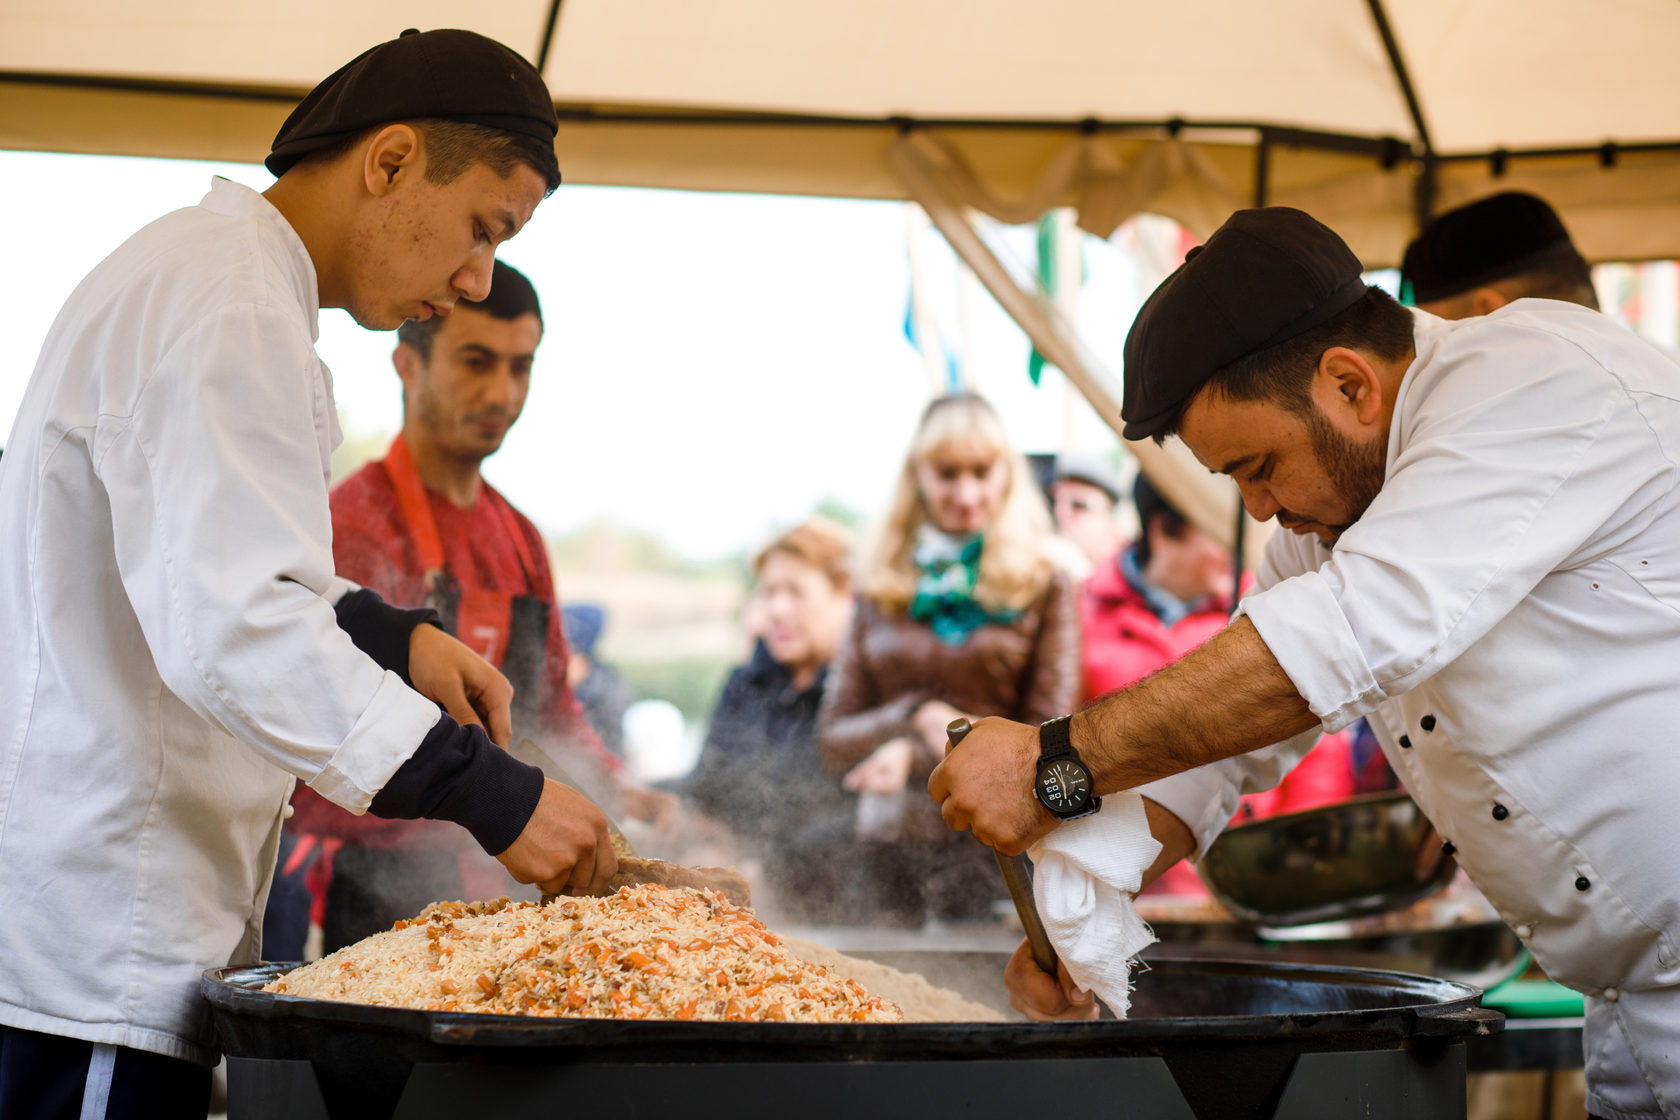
{"points": [[1355, 468]]}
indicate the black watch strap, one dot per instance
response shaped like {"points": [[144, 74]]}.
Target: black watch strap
{"points": [[1055, 738]]}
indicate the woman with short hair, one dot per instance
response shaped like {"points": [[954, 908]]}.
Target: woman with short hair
{"points": [[759, 772]]}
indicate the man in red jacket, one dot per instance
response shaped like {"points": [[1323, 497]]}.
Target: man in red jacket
{"points": [[423, 528], [1156, 600]]}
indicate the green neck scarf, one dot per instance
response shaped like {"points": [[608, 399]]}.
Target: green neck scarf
{"points": [[944, 596]]}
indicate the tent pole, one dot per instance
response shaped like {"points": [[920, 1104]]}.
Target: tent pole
{"points": [[548, 35], [1423, 192], [1401, 75], [1240, 532], [1262, 176]]}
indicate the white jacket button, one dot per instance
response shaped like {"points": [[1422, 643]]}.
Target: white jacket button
{"points": [[1612, 994], [1525, 932], [286, 813]]}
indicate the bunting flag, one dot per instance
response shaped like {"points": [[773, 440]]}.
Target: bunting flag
{"points": [[953, 368], [1055, 277], [1047, 249], [922, 328]]}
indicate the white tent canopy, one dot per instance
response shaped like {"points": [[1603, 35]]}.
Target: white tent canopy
{"points": [[1365, 112], [1369, 114]]}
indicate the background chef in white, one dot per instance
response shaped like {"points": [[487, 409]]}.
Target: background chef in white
{"points": [[1483, 255], [1484, 558], [178, 645]]}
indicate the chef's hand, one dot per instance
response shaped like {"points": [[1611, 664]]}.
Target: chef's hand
{"points": [[1038, 996], [468, 687], [986, 784], [886, 771], [565, 848]]}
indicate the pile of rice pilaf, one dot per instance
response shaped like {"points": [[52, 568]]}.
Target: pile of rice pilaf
{"points": [[646, 952]]}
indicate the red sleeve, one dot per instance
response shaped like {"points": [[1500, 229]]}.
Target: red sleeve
{"points": [[1122, 644], [1324, 776]]}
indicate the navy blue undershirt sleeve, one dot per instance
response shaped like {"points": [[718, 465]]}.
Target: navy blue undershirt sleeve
{"points": [[380, 630], [458, 774]]}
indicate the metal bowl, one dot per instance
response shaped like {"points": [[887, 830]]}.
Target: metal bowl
{"points": [[1481, 954], [1341, 861]]}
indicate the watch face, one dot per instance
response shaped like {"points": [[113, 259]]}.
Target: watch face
{"points": [[1064, 786]]}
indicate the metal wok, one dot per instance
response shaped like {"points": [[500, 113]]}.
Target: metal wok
{"points": [[1353, 858], [1209, 1039]]}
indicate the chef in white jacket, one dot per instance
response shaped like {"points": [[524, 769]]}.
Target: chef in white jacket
{"points": [[1483, 558], [179, 650]]}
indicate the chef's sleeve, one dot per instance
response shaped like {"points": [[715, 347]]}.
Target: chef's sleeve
{"points": [[1508, 467], [218, 488], [381, 630]]}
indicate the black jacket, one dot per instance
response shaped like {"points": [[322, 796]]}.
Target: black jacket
{"points": [[759, 771]]}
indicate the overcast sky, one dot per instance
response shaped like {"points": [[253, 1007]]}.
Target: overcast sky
{"points": [[715, 365]]}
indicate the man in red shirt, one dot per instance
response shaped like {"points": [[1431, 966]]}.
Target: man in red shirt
{"points": [[1153, 602], [422, 528]]}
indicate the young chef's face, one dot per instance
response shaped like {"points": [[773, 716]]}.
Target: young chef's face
{"points": [[419, 246], [462, 400], [1309, 472], [963, 488]]}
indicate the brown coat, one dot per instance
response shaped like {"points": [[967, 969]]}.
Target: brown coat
{"points": [[888, 666]]}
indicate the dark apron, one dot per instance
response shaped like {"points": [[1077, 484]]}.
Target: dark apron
{"points": [[508, 630]]}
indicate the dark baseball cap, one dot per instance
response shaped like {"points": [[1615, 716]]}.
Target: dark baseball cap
{"points": [[1264, 277], [1489, 240], [444, 74]]}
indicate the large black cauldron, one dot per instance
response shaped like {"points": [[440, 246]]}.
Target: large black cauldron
{"points": [[1207, 1040]]}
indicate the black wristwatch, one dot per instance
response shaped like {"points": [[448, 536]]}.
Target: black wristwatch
{"points": [[1064, 783]]}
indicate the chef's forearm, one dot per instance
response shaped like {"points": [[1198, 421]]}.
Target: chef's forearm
{"points": [[1176, 840], [1226, 698], [457, 774], [379, 629]]}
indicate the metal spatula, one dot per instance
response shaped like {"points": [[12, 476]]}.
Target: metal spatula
{"points": [[526, 750]]}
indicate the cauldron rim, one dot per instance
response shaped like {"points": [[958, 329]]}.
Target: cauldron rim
{"points": [[253, 1023]]}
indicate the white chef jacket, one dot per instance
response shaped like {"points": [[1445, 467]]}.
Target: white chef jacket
{"points": [[166, 593], [1507, 614]]}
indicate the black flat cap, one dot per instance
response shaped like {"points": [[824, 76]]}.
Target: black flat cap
{"points": [[1489, 240], [1264, 277], [446, 74]]}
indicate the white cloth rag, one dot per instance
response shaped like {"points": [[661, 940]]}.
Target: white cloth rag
{"points": [[1084, 876]]}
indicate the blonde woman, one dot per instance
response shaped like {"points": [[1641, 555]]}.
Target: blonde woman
{"points": [[960, 613]]}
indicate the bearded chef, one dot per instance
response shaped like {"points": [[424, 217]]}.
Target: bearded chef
{"points": [[1483, 558]]}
